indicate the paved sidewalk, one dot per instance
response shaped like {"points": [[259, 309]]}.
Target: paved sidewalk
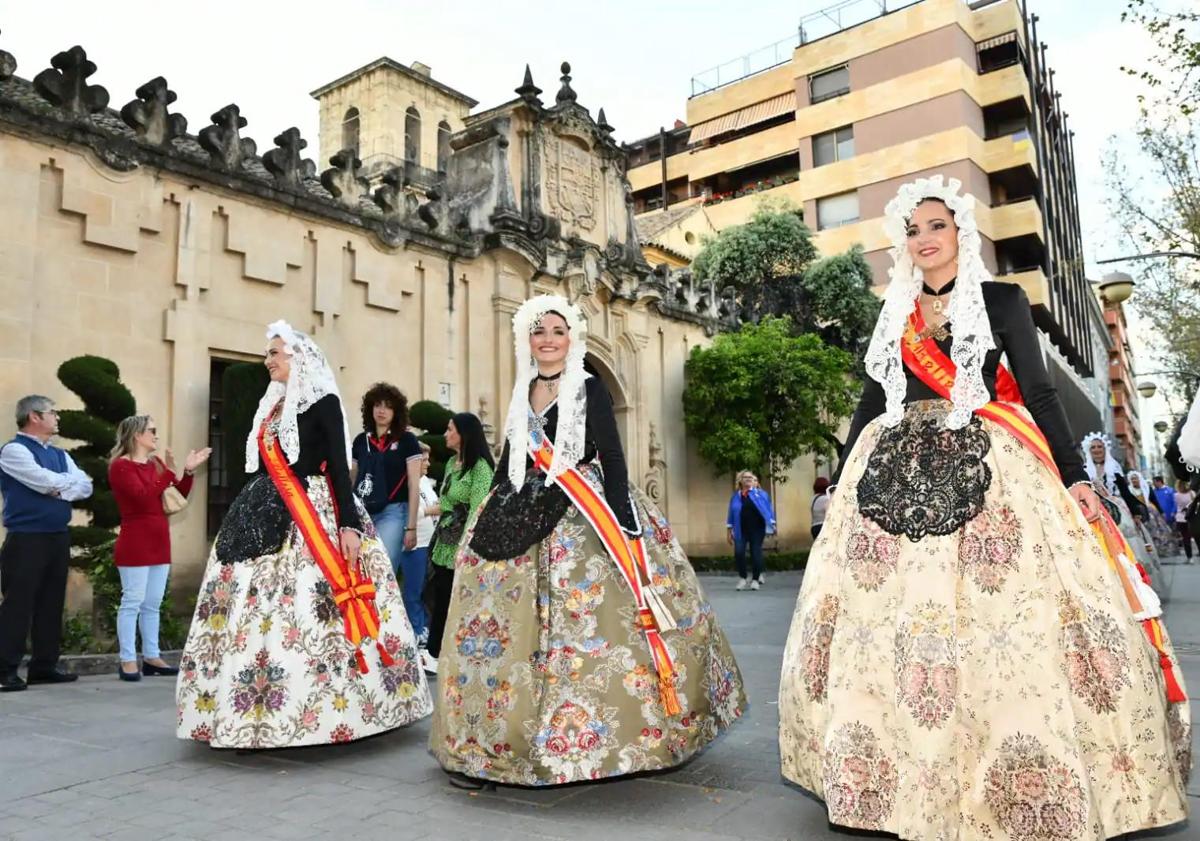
{"points": [[98, 759]]}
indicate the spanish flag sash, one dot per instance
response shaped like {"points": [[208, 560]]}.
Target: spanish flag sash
{"points": [[931, 366], [629, 555], [353, 592]]}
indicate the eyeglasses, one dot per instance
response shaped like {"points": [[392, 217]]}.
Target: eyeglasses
{"points": [[49, 412], [152, 430]]}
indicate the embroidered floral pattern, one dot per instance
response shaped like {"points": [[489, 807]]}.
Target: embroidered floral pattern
{"points": [[871, 555], [482, 637], [1097, 662], [924, 479], [815, 642], [1033, 794], [267, 663], [990, 549], [860, 780], [926, 665], [574, 742]]}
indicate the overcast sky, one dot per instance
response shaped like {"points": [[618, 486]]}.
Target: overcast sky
{"points": [[634, 58]]}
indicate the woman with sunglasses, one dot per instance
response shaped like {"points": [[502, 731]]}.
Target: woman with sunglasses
{"points": [[138, 479]]}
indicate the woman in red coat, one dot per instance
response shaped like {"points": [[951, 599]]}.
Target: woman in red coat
{"points": [[138, 480]]}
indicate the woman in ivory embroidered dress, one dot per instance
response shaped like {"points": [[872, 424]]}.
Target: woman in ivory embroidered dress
{"points": [[300, 635], [1127, 511], [1163, 536], [579, 644], [964, 662]]}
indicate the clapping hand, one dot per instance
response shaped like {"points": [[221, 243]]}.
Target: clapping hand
{"points": [[195, 458]]}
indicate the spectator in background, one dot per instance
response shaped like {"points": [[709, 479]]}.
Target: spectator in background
{"points": [[1166, 498], [412, 563], [386, 469], [466, 483], [820, 504], [750, 520], [142, 553], [39, 482], [1184, 497]]}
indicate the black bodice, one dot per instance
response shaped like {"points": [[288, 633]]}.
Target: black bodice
{"points": [[1015, 336]]}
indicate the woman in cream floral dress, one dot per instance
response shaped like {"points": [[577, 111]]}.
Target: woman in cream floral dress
{"points": [[300, 635], [963, 662]]}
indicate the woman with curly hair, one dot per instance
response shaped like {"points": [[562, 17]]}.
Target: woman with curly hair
{"points": [[386, 466]]}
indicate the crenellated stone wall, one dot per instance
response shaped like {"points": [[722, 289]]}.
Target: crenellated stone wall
{"points": [[123, 235]]}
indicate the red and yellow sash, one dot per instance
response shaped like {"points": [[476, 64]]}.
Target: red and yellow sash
{"points": [[629, 554], [353, 592], [931, 366]]}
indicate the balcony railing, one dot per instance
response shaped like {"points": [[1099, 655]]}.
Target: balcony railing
{"points": [[814, 26]]}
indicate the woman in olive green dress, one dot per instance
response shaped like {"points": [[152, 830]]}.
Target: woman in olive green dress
{"points": [[579, 644]]}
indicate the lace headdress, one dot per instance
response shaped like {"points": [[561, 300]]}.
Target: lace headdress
{"points": [[972, 331], [1111, 468], [310, 379], [1142, 491], [572, 406]]}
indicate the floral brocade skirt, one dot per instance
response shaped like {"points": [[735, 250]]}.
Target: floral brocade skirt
{"points": [[545, 678], [267, 663], [962, 662]]}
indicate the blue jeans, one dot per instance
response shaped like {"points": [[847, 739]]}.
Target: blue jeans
{"points": [[752, 540], [391, 523], [411, 570], [142, 591]]}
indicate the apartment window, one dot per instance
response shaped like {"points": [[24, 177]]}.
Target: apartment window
{"points": [[827, 85], [443, 149], [836, 145], [838, 210], [350, 127]]}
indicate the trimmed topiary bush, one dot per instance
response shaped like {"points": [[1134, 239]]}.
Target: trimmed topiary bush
{"points": [[242, 387], [429, 416]]}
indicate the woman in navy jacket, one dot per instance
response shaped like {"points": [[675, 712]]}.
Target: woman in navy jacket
{"points": [[750, 521]]}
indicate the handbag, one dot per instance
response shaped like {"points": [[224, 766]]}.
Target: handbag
{"points": [[173, 501]]}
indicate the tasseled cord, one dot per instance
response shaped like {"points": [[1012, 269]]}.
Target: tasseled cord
{"points": [[666, 690], [384, 658]]}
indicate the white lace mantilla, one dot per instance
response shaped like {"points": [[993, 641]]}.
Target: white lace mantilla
{"points": [[310, 379], [972, 330], [572, 397], [1111, 468]]}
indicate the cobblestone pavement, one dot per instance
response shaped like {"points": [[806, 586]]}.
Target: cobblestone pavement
{"points": [[98, 759]]}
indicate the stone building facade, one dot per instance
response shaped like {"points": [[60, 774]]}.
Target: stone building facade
{"points": [[125, 236]]}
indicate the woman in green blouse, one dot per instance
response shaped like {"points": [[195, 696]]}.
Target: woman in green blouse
{"points": [[467, 481]]}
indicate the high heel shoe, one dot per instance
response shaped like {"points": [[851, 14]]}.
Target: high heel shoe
{"points": [[150, 670], [130, 676]]}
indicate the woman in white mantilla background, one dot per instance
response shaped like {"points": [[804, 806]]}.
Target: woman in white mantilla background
{"points": [[1127, 511], [963, 661], [579, 644], [300, 635], [1165, 539]]}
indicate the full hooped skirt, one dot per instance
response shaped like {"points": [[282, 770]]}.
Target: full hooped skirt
{"points": [[267, 663], [989, 682], [545, 678]]}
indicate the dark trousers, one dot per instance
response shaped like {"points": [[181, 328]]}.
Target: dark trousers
{"points": [[441, 582], [1186, 536], [33, 583], [752, 539]]}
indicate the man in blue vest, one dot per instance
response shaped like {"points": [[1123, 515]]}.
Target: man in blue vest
{"points": [[39, 482]]}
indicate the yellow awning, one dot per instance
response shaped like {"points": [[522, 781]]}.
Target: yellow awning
{"points": [[750, 115]]}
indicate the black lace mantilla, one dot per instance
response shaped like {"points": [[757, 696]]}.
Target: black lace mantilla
{"points": [[257, 522], [923, 478], [513, 520]]}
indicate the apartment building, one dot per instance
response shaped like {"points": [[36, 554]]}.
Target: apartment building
{"points": [[869, 94]]}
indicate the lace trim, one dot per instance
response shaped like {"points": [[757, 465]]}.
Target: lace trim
{"points": [[311, 379], [1111, 468], [572, 400], [972, 330]]}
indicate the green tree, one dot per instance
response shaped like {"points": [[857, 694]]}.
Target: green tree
{"points": [[1175, 30], [772, 264], [433, 418], [774, 243], [106, 401], [763, 397]]}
